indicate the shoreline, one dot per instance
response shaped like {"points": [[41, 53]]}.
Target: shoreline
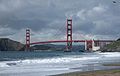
{"points": [[111, 72], [107, 72]]}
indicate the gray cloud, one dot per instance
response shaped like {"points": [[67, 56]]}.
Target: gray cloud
{"points": [[99, 18], [6, 31]]}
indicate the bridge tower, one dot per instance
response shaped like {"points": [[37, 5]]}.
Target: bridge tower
{"points": [[27, 39], [69, 35]]}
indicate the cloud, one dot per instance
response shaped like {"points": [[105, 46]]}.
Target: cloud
{"points": [[97, 20], [6, 31], [47, 19]]}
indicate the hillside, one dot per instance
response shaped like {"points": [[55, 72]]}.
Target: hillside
{"points": [[53, 47], [113, 47], [10, 45]]}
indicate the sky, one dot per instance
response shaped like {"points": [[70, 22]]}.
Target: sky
{"points": [[92, 19]]}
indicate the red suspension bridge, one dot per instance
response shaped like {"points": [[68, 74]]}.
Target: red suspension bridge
{"points": [[89, 44]]}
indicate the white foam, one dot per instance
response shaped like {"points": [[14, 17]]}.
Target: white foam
{"points": [[8, 63], [61, 59], [58, 60], [3, 64], [111, 54], [47, 60]]}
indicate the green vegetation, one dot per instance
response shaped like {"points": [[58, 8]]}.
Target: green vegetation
{"points": [[117, 64], [113, 47]]}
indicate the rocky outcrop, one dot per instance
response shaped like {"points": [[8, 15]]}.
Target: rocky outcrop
{"points": [[10, 45], [113, 47]]}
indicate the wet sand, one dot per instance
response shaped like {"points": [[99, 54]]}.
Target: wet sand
{"points": [[111, 72]]}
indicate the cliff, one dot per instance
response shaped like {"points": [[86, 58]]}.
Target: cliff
{"points": [[10, 45], [113, 47]]}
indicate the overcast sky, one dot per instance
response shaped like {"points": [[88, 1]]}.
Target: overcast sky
{"points": [[92, 19]]}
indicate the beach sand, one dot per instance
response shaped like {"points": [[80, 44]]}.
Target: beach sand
{"points": [[112, 72]]}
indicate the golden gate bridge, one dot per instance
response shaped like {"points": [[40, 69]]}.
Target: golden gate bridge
{"points": [[89, 44]]}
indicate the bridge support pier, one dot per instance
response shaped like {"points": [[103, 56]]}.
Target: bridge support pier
{"points": [[88, 45], [92, 45]]}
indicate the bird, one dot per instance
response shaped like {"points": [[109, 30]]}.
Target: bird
{"points": [[114, 2]]}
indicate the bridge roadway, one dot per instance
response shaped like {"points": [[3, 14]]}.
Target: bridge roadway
{"points": [[62, 41]]}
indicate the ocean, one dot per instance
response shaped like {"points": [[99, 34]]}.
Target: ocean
{"points": [[45, 63]]}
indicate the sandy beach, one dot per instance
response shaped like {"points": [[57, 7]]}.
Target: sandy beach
{"points": [[94, 73], [111, 72]]}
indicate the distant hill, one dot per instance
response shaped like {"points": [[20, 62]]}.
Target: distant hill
{"points": [[53, 47], [113, 47], [10, 45], [7, 44]]}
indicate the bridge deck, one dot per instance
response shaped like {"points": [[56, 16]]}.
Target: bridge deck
{"points": [[62, 41]]}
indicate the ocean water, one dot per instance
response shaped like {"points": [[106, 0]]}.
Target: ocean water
{"points": [[51, 63]]}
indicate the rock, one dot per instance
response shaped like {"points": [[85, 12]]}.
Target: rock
{"points": [[113, 47], [10, 45]]}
